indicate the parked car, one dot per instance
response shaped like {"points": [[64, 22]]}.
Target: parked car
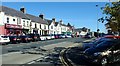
{"points": [[99, 40], [25, 38], [94, 43], [62, 35], [57, 36], [14, 39], [104, 53], [43, 38], [68, 35], [48, 37], [52, 36], [4, 39], [35, 37]]}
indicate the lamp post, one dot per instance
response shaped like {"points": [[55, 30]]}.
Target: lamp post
{"points": [[97, 25]]}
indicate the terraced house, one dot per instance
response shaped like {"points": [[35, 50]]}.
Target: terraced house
{"points": [[14, 22]]}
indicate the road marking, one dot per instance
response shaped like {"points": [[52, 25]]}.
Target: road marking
{"points": [[8, 47]]}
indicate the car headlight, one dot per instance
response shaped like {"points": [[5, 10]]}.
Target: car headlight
{"points": [[97, 53]]}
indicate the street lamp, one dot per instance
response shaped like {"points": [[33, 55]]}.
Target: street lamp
{"points": [[97, 26]]}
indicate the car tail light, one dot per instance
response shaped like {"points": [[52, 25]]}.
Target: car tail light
{"points": [[26, 38], [35, 37], [14, 39]]}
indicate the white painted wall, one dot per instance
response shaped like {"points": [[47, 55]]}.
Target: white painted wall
{"points": [[2, 18], [51, 31]]}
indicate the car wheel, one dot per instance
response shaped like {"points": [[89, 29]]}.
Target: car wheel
{"points": [[104, 61]]}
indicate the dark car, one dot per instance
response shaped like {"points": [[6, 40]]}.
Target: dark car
{"points": [[25, 38], [94, 43], [104, 53], [14, 39], [35, 37]]}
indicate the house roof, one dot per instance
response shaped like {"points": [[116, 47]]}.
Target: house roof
{"points": [[13, 12], [49, 21], [56, 23], [64, 25], [36, 19]]}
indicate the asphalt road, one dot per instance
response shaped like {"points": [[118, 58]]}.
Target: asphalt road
{"points": [[22, 46]]}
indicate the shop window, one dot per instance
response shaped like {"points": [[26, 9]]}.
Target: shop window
{"points": [[13, 19], [7, 20]]}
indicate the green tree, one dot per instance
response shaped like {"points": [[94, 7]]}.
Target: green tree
{"points": [[112, 11]]}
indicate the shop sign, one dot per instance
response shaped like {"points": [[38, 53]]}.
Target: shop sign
{"points": [[13, 26]]}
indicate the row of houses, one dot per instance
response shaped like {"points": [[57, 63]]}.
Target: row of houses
{"points": [[19, 22]]}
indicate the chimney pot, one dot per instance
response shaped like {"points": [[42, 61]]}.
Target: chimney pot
{"points": [[53, 19], [23, 10], [41, 16]]}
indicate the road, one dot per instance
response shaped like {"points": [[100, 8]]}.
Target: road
{"points": [[18, 58], [22, 46]]}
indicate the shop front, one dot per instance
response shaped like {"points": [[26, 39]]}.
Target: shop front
{"points": [[12, 29]]}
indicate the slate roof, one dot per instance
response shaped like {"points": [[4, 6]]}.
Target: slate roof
{"points": [[64, 25], [49, 21], [36, 19], [13, 12], [56, 23]]}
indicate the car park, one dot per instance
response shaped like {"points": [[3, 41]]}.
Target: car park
{"points": [[4, 39], [103, 53]]}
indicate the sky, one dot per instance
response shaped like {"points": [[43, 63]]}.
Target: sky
{"points": [[79, 14]]}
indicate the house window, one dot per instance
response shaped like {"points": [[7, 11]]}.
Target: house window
{"points": [[51, 27], [30, 23], [13, 19], [27, 23], [23, 23], [35, 25], [7, 20], [44, 26], [40, 26]]}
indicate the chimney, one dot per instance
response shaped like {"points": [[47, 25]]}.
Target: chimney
{"points": [[22, 9], [41, 16], [61, 22], [53, 19]]}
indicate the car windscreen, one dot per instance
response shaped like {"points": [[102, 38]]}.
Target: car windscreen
{"points": [[104, 45], [4, 36]]}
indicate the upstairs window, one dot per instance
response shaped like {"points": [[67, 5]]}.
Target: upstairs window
{"points": [[40, 26], [23, 23], [35, 25], [7, 20], [44, 26], [51, 27], [13, 19], [27, 23]]}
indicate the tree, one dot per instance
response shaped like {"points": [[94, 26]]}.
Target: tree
{"points": [[112, 11]]}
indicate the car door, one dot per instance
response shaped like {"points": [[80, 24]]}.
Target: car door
{"points": [[115, 53]]}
